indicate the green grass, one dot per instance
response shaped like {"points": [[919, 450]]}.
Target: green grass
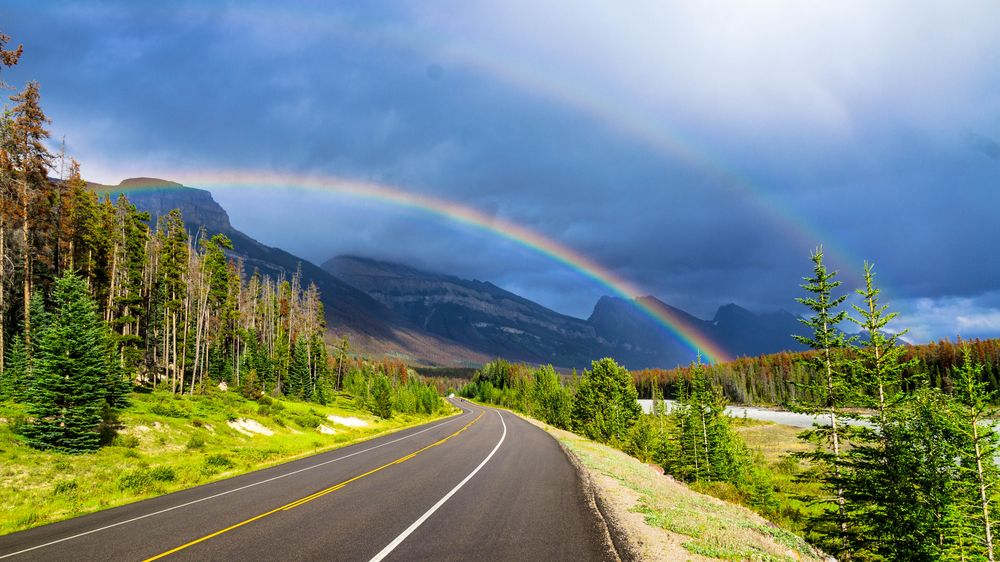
{"points": [[705, 525], [167, 444]]}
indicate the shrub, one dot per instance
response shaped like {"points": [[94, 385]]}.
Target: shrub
{"points": [[16, 424], [64, 487], [307, 421], [136, 481], [126, 441], [196, 442], [169, 409], [162, 474], [218, 462]]}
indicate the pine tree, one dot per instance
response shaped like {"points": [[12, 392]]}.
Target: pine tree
{"points": [[343, 349], [381, 395], [16, 377], [878, 464], [976, 451], [297, 382], [8, 58], [173, 265], [30, 161], [70, 369], [826, 394]]}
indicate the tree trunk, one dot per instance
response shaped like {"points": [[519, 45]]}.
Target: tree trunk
{"points": [[114, 279], [983, 492], [835, 435], [3, 288], [26, 282]]}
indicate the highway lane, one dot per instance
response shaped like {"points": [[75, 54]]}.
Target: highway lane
{"points": [[483, 485]]}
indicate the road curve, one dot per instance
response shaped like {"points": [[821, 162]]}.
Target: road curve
{"points": [[483, 485]]}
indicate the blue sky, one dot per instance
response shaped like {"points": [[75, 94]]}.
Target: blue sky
{"points": [[698, 149]]}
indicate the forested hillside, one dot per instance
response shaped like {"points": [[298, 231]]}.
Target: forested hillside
{"points": [[777, 379]]}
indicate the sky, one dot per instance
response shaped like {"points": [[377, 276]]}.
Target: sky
{"points": [[698, 150]]}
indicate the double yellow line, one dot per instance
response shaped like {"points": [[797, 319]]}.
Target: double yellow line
{"points": [[311, 497]]}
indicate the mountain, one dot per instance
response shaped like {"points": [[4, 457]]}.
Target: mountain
{"points": [[737, 330], [483, 317], [371, 327], [742, 332], [475, 314], [642, 341]]}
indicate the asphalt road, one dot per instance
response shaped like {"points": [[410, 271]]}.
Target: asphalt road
{"points": [[484, 485]]}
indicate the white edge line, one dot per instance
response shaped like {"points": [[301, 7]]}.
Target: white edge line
{"points": [[409, 530], [227, 492]]}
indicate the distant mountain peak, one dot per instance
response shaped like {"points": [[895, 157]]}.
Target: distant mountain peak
{"points": [[733, 312]]}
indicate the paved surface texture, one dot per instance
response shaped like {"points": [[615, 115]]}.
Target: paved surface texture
{"points": [[484, 485]]}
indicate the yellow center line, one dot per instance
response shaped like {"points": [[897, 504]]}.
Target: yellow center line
{"points": [[309, 498]]}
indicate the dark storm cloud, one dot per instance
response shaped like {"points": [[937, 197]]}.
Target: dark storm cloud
{"points": [[608, 139]]}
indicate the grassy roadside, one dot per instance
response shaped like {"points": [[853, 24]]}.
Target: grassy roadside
{"points": [[670, 521], [167, 444]]}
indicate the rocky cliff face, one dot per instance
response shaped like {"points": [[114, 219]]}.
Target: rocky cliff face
{"points": [[477, 314], [158, 197]]}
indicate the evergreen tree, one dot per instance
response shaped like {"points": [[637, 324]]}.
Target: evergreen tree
{"points": [[381, 395], [29, 163], [825, 396], [977, 448], [907, 500], [882, 454], [705, 440], [70, 369], [16, 376], [297, 382]]}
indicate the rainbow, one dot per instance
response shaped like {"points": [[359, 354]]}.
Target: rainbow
{"points": [[617, 114], [668, 141], [675, 324]]}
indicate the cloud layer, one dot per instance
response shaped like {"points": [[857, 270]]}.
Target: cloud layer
{"points": [[697, 149]]}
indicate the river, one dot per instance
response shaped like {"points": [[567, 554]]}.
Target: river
{"points": [[783, 417]]}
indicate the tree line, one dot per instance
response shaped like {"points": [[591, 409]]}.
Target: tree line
{"points": [[778, 378]]}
